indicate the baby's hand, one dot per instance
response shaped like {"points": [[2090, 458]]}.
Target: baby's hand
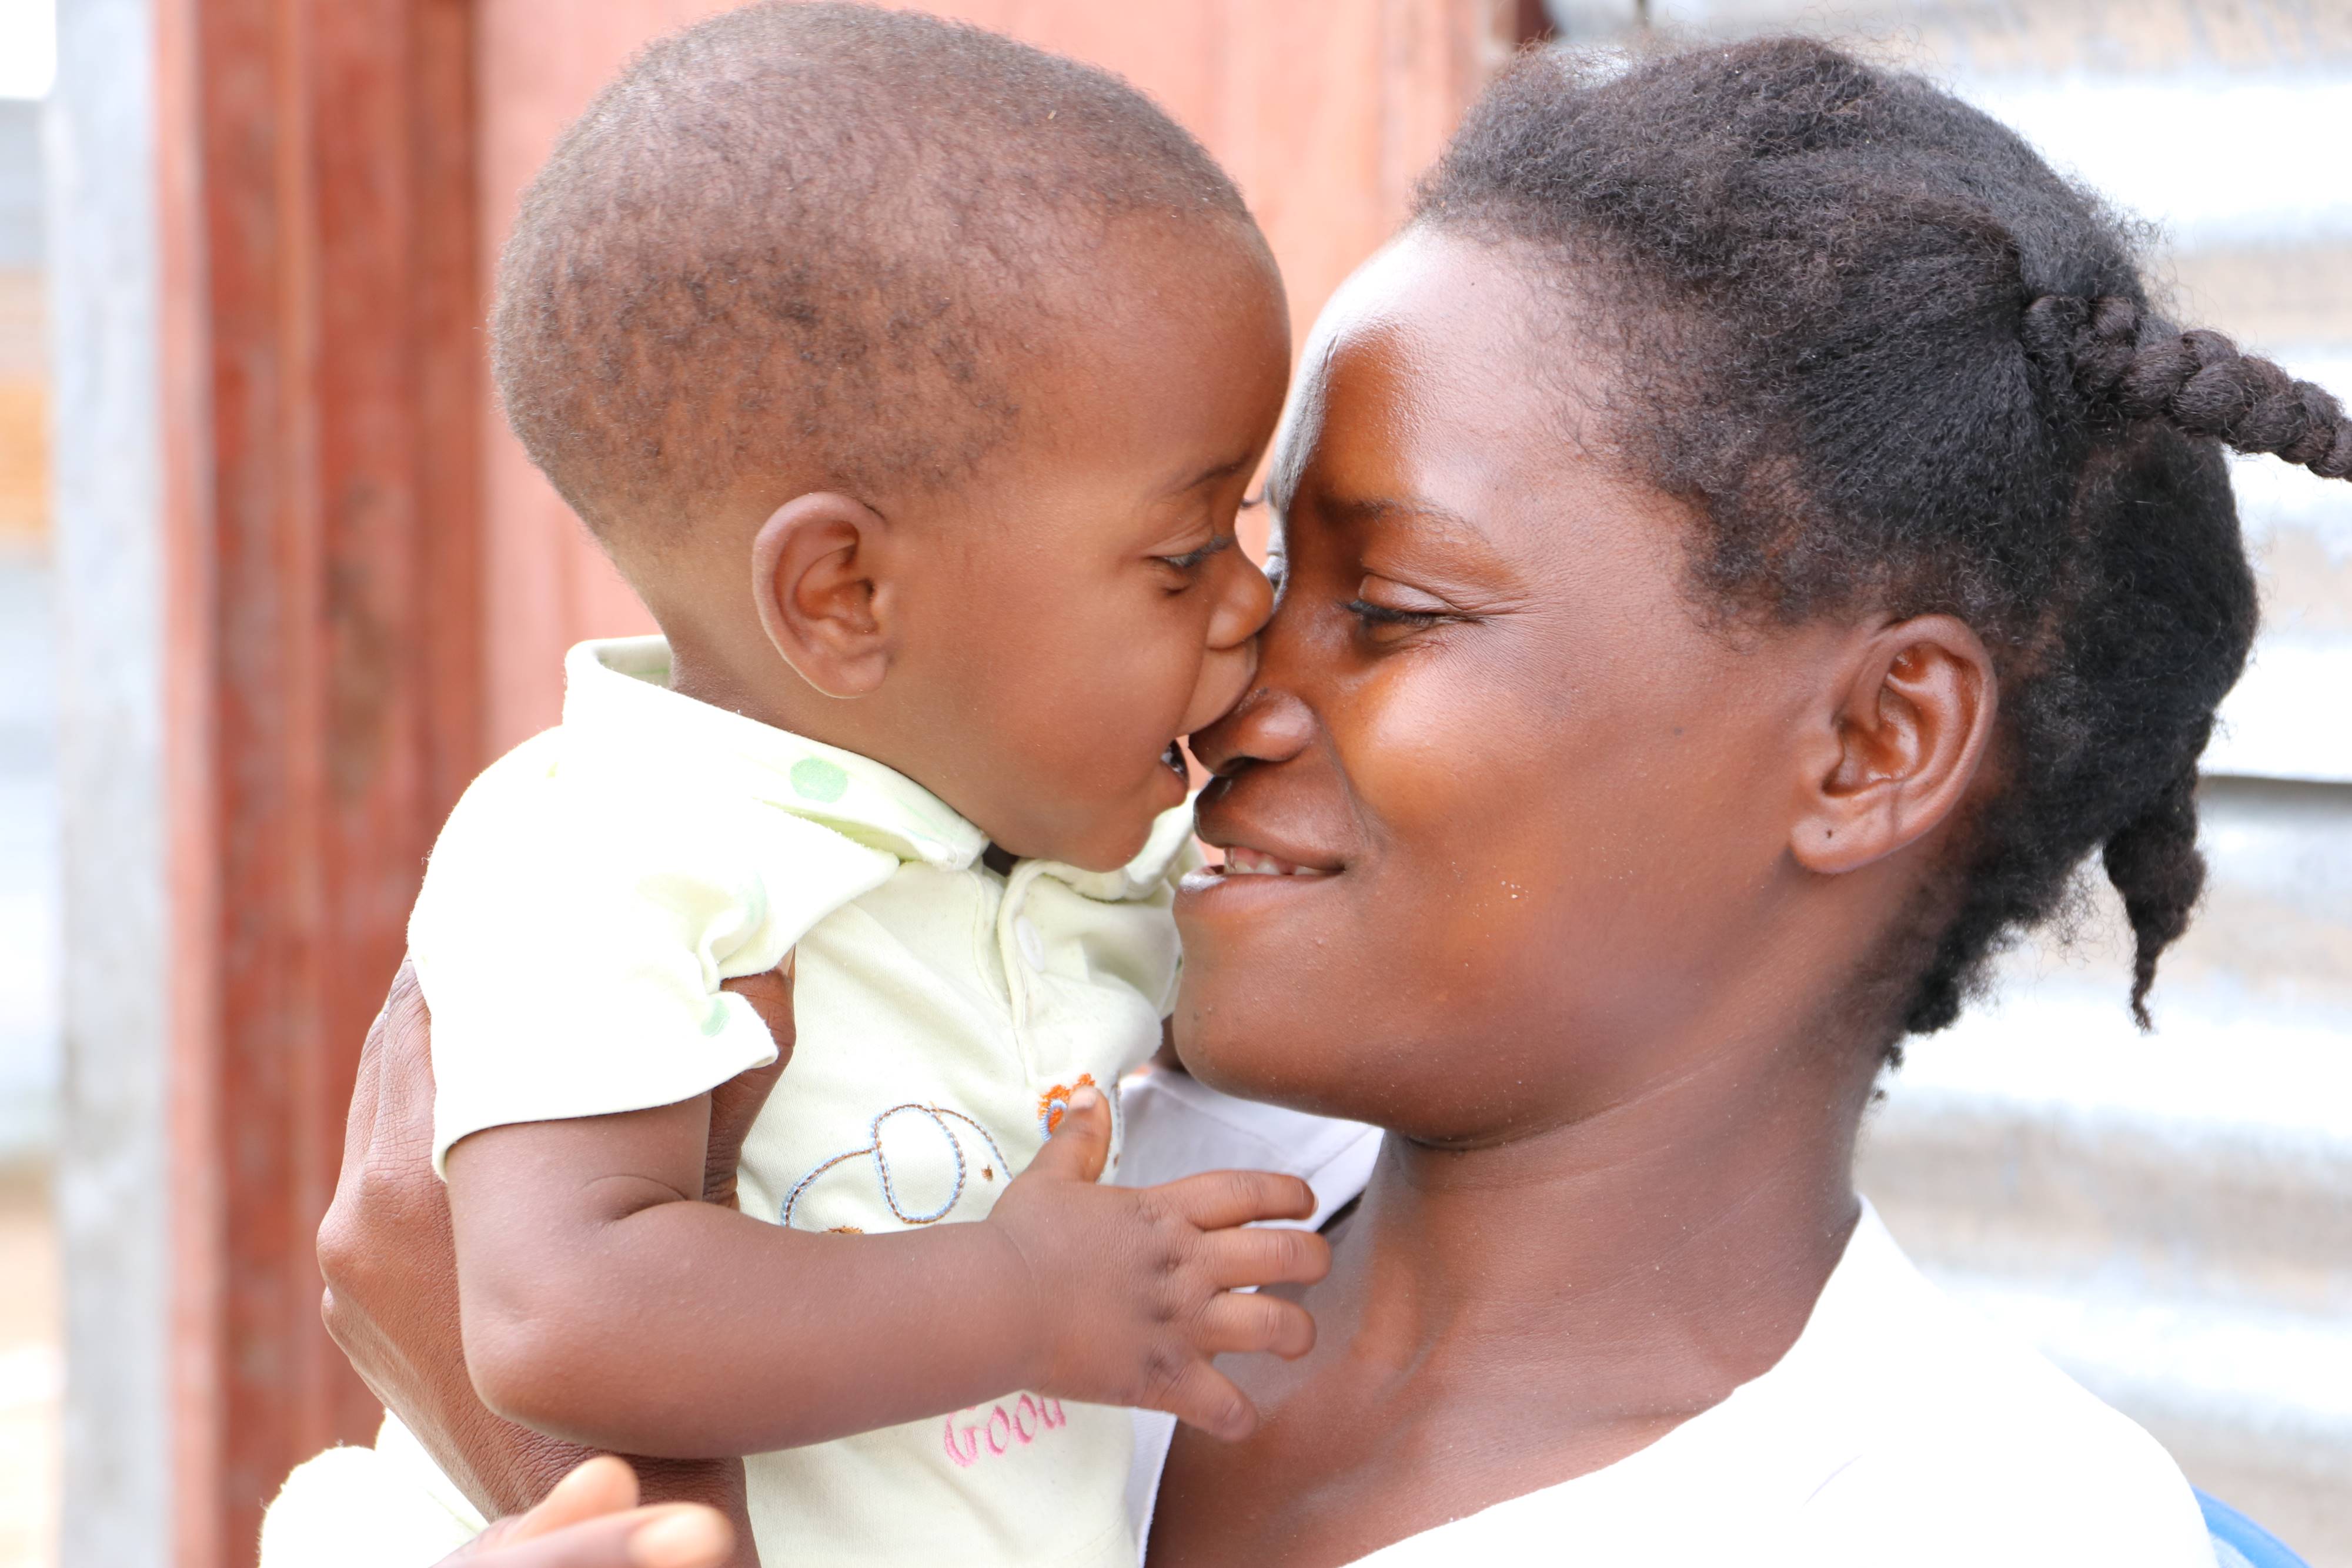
{"points": [[1136, 1288]]}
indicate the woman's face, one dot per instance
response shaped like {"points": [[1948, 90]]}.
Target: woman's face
{"points": [[1542, 811]]}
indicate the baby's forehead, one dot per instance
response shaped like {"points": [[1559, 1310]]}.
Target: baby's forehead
{"points": [[819, 239], [1167, 382]]}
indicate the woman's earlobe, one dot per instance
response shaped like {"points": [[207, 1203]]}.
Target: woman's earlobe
{"points": [[818, 576], [1905, 743]]}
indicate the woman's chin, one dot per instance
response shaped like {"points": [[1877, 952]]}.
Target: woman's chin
{"points": [[1265, 1062]]}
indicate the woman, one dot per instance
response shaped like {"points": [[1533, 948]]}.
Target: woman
{"points": [[1743, 547], [591, 1519]]}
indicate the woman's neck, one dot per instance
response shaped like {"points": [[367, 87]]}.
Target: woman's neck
{"points": [[1502, 1318], [1649, 1282]]}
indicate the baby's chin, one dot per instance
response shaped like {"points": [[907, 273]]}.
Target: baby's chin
{"points": [[1122, 830], [1110, 839]]}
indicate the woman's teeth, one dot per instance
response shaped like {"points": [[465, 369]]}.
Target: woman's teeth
{"points": [[1241, 862]]}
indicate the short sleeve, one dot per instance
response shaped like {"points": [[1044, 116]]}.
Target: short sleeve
{"points": [[573, 930], [2099, 1491]]}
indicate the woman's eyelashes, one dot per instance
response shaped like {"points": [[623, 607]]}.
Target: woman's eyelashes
{"points": [[1388, 611]]}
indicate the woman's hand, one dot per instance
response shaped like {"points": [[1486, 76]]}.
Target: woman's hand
{"points": [[386, 1255], [591, 1521]]}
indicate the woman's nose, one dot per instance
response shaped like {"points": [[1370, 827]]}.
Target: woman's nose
{"points": [[1268, 725]]}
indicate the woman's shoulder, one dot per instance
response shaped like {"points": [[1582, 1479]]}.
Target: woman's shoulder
{"points": [[1963, 1444], [1900, 1427]]}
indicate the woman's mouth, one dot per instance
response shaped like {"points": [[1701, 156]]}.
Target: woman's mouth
{"points": [[1243, 861]]}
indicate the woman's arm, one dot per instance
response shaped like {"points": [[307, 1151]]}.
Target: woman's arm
{"points": [[385, 1252]]}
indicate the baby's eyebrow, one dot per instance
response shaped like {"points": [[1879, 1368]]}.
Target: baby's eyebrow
{"points": [[1225, 470]]}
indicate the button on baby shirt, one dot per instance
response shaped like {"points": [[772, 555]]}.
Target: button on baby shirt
{"points": [[596, 885]]}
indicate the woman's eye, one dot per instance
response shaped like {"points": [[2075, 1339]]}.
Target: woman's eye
{"points": [[1378, 616], [1395, 610]]}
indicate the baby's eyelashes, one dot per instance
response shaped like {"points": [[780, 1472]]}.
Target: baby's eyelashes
{"points": [[1192, 559]]}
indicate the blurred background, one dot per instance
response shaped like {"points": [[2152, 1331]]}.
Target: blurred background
{"points": [[273, 582]]}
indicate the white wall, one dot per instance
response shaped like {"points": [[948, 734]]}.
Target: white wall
{"points": [[112, 1175]]}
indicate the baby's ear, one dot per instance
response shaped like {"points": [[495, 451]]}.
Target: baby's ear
{"points": [[1900, 748], [823, 601]]}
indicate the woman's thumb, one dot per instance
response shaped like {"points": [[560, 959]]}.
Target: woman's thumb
{"points": [[1081, 1138]]}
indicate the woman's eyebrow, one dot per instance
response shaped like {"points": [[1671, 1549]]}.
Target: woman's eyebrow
{"points": [[1399, 510]]}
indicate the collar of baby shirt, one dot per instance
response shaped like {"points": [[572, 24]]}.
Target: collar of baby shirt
{"points": [[617, 700], [1172, 836]]}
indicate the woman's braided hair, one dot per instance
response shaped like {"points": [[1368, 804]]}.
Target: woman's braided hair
{"points": [[1901, 364]]}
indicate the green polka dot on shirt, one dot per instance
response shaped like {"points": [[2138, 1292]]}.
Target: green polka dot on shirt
{"points": [[814, 778]]}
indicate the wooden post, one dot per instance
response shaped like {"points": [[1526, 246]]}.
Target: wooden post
{"points": [[321, 327]]}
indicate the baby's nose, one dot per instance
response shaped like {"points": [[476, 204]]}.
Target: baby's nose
{"points": [[1245, 605], [1226, 675]]}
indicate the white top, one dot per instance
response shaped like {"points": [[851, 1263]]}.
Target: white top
{"points": [[1900, 1428], [586, 900]]}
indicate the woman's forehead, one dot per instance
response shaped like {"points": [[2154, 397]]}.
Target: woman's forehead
{"points": [[1441, 371]]}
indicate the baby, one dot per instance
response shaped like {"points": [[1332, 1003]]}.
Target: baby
{"points": [[913, 378]]}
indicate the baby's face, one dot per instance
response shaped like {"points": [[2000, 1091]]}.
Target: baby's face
{"points": [[1090, 604]]}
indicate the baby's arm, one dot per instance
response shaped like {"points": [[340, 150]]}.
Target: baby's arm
{"points": [[602, 1303]]}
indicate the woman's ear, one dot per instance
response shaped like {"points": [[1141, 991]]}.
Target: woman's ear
{"points": [[1898, 752], [817, 572]]}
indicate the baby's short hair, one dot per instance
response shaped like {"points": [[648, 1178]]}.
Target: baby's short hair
{"points": [[810, 239]]}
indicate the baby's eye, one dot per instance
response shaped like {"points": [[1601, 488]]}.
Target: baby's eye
{"points": [[1192, 560]]}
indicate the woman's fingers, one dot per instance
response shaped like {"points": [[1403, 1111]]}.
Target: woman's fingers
{"points": [[1220, 1199], [735, 1103], [684, 1535], [1237, 1324], [675, 1535], [597, 1486]]}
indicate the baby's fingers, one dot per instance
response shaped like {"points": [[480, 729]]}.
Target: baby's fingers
{"points": [[1221, 1199], [1200, 1395], [1080, 1141], [1265, 1257], [1244, 1325]]}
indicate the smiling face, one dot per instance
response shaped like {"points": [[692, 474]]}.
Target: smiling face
{"points": [[1520, 821]]}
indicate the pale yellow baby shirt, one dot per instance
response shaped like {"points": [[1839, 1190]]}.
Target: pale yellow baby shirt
{"points": [[583, 903]]}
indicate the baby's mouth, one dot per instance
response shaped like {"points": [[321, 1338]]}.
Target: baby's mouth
{"points": [[1174, 757]]}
